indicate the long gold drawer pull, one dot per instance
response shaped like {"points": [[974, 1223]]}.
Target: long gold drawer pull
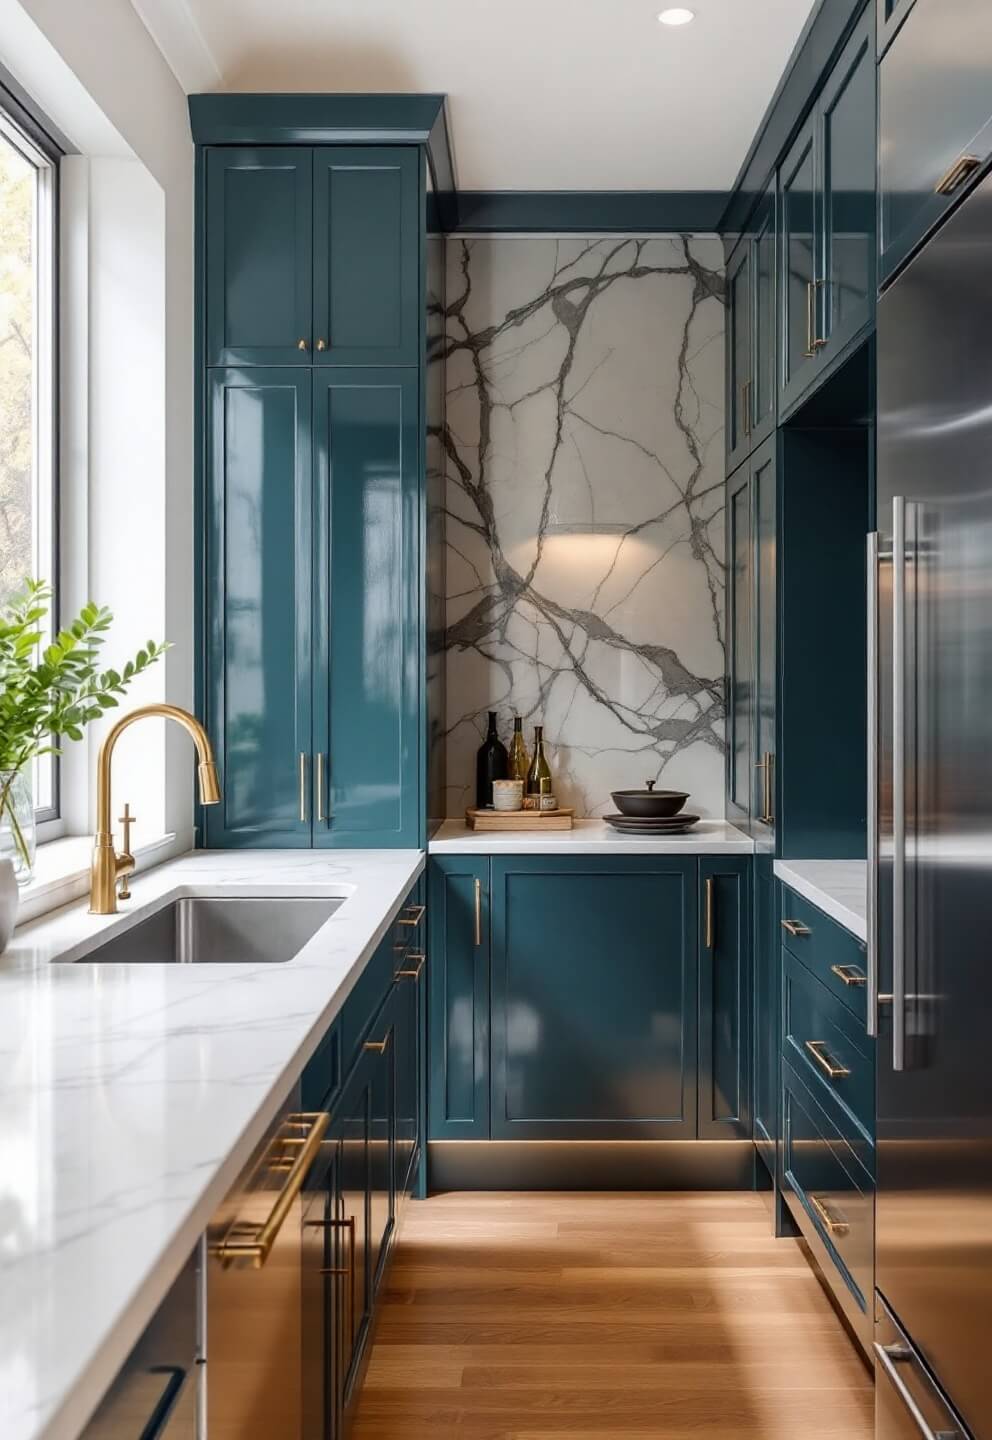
{"points": [[478, 913], [964, 166], [833, 1224], [343, 1271], [850, 974], [257, 1245], [709, 911], [796, 928], [319, 786], [303, 788], [413, 916], [379, 1046], [412, 974], [828, 1066]]}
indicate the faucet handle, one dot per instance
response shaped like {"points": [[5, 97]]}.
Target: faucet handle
{"points": [[126, 821]]}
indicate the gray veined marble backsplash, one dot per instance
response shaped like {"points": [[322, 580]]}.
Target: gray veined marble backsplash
{"points": [[584, 455]]}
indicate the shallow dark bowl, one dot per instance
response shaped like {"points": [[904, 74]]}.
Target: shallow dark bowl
{"points": [[649, 803]]}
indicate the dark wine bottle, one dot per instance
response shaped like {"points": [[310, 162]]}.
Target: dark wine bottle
{"points": [[492, 764]]}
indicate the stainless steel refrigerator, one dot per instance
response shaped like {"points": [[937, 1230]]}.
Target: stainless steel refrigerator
{"points": [[930, 843]]}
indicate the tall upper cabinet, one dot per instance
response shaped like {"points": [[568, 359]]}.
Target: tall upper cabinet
{"points": [[828, 227], [750, 400], [311, 322]]}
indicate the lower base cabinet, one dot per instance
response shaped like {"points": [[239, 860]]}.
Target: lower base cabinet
{"points": [[587, 998]]}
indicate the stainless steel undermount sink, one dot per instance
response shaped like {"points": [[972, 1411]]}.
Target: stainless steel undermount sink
{"points": [[230, 930]]}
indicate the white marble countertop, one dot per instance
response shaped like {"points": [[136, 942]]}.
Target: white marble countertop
{"points": [[130, 1097], [838, 887], [590, 837]]}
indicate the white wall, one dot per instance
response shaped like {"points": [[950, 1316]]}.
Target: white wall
{"points": [[128, 357]]}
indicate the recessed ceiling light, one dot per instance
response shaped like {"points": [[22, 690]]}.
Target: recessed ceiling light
{"points": [[678, 16]]}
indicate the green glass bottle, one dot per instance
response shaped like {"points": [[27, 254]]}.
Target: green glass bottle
{"points": [[539, 774], [519, 759]]}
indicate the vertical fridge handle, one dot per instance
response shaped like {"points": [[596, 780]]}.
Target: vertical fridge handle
{"points": [[898, 782], [872, 780]]}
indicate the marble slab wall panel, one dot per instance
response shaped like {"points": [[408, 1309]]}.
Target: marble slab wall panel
{"points": [[584, 453]]}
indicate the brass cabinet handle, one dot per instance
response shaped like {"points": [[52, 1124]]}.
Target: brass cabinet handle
{"points": [[850, 974], [710, 909], [767, 766], [833, 1224], [255, 1243], [746, 407], [830, 1068], [813, 341], [319, 786], [321, 344], [413, 915], [478, 913], [964, 166], [348, 1270], [379, 1046], [796, 928], [302, 344], [413, 974], [303, 788]]}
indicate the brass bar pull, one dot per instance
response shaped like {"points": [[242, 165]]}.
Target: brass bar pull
{"points": [[319, 786], [710, 909], [830, 1068], [478, 913], [347, 1224], [412, 974], [833, 1224], [379, 1046], [303, 788], [818, 340], [302, 344], [766, 765], [796, 928], [746, 407], [413, 916], [964, 166], [809, 353], [850, 974], [321, 344], [256, 1246]]}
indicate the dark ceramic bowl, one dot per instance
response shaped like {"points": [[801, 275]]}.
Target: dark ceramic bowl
{"points": [[649, 803]]}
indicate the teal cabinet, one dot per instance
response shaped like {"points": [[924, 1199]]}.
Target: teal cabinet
{"points": [[258, 236], [366, 255], [890, 15], [724, 1085], [740, 646], [751, 339], [257, 602], [593, 998], [828, 228], [458, 904], [366, 615], [765, 1010], [351, 1133], [935, 118], [764, 661]]}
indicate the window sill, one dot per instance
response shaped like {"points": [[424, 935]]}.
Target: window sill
{"points": [[62, 872]]}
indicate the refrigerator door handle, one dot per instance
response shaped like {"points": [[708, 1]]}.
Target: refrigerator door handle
{"points": [[898, 782], [872, 768], [889, 1357]]}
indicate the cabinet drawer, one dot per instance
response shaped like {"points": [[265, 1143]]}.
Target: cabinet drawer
{"points": [[835, 1193], [935, 110], [322, 1076], [826, 1045], [834, 955]]}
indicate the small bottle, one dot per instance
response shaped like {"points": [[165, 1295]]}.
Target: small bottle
{"points": [[539, 774], [492, 764], [519, 759]]}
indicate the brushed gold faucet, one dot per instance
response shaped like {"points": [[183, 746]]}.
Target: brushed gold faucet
{"points": [[108, 867]]}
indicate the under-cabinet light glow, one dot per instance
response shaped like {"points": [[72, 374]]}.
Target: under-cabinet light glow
{"points": [[677, 16]]}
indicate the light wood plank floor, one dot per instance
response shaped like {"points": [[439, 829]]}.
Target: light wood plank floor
{"points": [[518, 1317]]}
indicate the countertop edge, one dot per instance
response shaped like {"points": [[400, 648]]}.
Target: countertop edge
{"points": [[588, 837], [824, 899]]}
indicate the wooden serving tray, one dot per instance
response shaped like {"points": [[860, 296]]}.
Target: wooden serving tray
{"points": [[506, 820]]}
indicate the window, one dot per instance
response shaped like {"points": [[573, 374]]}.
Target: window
{"points": [[28, 387]]}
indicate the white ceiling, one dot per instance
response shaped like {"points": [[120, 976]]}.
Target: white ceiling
{"points": [[543, 94]]}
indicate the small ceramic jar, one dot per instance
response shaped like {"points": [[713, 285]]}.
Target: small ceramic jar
{"points": [[547, 801], [508, 795]]}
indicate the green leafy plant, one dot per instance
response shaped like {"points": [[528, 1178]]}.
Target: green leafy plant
{"points": [[51, 696]]}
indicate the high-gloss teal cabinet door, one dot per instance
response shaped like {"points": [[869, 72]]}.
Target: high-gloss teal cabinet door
{"points": [[801, 265], [764, 481], [458, 1045], [257, 595], [767, 1025], [847, 142], [258, 245], [764, 346], [593, 998], [740, 379], [724, 1084], [740, 646], [366, 608], [366, 308]]}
